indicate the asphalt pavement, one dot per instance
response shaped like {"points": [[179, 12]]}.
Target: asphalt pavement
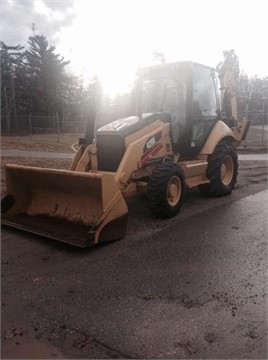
{"points": [[191, 287], [196, 289]]}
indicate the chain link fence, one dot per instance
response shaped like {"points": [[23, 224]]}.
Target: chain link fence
{"points": [[29, 125], [257, 137]]}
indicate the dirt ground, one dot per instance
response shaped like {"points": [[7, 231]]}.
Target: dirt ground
{"points": [[40, 142]]}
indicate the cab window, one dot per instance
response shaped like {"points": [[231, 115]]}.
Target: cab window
{"points": [[204, 104], [204, 99]]}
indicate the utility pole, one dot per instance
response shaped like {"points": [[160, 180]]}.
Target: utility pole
{"points": [[14, 100], [265, 108], [8, 113], [33, 29]]}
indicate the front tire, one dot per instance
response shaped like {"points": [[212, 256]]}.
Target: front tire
{"points": [[166, 190], [221, 171]]}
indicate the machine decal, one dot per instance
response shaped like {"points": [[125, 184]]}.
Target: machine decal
{"points": [[150, 153], [151, 141]]}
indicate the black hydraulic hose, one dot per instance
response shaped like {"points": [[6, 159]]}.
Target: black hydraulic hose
{"points": [[90, 128]]}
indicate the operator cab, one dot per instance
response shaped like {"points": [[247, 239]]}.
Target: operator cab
{"points": [[188, 93]]}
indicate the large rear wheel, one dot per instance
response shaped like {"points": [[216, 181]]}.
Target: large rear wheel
{"points": [[221, 171], [166, 190]]}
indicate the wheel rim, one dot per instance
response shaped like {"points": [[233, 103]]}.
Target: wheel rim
{"points": [[227, 170], [174, 191]]}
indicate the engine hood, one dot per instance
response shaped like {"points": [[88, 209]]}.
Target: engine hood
{"points": [[130, 124]]}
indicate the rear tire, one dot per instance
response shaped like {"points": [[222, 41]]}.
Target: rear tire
{"points": [[166, 190], [221, 171]]}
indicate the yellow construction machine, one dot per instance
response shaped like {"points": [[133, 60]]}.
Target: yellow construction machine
{"points": [[183, 135]]}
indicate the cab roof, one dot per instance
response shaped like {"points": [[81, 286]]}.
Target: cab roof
{"points": [[171, 65]]}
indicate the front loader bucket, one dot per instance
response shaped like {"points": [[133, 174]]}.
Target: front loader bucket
{"points": [[73, 207]]}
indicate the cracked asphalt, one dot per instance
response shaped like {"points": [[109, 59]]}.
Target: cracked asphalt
{"points": [[193, 287]]}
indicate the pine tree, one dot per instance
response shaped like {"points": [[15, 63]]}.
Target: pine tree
{"points": [[47, 73]]}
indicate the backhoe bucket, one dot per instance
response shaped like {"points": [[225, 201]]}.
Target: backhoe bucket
{"points": [[73, 207]]}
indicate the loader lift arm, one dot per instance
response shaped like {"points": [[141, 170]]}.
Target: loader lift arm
{"points": [[228, 72]]}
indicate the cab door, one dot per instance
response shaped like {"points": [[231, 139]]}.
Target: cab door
{"points": [[205, 105]]}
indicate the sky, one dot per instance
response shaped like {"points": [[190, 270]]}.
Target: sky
{"points": [[111, 39]]}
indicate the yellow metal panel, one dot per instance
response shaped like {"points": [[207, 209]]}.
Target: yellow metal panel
{"points": [[90, 199], [220, 131]]}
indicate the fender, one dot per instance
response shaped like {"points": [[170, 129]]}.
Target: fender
{"points": [[219, 132]]}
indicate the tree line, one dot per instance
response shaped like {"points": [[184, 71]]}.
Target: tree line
{"points": [[35, 81]]}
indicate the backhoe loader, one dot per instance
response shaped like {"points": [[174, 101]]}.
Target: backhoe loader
{"points": [[183, 135]]}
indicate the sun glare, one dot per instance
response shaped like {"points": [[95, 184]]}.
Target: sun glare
{"points": [[104, 43], [111, 40]]}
